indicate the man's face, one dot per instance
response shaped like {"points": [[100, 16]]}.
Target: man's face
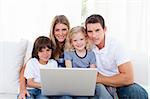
{"points": [[96, 33]]}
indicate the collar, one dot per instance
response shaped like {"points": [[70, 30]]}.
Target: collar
{"points": [[104, 49]]}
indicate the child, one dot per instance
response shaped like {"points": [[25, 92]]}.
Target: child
{"points": [[77, 50], [41, 55]]}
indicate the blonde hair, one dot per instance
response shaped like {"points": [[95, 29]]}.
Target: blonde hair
{"points": [[73, 31], [58, 49]]}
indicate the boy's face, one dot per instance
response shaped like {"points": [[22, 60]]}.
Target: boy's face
{"points": [[96, 33], [44, 55]]}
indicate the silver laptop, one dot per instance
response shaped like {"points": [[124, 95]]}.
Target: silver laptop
{"points": [[68, 81]]}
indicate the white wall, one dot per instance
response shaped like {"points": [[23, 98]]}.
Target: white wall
{"points": [[31, 18]]}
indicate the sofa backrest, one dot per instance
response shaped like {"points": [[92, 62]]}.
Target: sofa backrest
{"points": [[12, 55]]}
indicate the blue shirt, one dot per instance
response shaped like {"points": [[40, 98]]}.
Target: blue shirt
{"points": [[80, 62]]}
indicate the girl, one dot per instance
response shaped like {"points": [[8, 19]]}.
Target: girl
{"points": [[78, 53], [41, 54]]}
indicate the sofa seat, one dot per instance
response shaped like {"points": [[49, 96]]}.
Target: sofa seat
{"points": [[8, 96]]}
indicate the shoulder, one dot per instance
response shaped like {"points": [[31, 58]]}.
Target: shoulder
{"points": [[114, 42], [90, 52], [114, 45], [69, 53], [32, 60], [53, 63], [32, 63]]}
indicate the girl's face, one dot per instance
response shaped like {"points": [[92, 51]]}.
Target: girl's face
{"points": [[44, 55], [78, 41], [60, 32]]}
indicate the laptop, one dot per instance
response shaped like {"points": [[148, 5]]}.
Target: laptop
{"points": [[68, 81]]}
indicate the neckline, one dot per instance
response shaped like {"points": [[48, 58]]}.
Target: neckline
{"points": [[80, 56]]}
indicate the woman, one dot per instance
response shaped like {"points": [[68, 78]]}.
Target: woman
{"points": [[59, 29]]}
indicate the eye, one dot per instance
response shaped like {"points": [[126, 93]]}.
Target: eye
{"points": [[40, 51], [89, 31], [64, 29], [49, 50], [74, 40], [97, 30], [56, 30], [82, 39]]}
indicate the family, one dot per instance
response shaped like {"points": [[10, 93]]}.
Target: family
{"points": [[81, 47]]}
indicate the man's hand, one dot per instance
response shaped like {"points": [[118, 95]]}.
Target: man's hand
{"points": [[23, 94], [99, 78]]}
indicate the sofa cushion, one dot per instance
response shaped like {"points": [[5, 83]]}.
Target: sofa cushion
{"points": [[12, 55], [8, 96]]}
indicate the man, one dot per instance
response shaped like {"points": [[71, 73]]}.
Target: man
{"points": [[113, 64]]}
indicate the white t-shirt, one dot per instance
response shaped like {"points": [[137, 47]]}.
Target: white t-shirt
{"points": [[110, 57], [33, 66]]}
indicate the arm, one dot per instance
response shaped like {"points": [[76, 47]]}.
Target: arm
{"points": [[23, 92], [22, 80], [93, 66], [92, 60], [31, 83], [68, 64], [125, 76]]}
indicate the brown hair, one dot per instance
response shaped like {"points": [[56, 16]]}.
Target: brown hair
{"points": [[95, 18], [40, 43]]}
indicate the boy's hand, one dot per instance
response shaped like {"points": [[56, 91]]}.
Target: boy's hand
{"points": [[23, 94]]}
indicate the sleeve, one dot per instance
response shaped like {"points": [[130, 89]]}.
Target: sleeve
{"points": [[29, 73], [67, 55], [92, 58], [121, 55]]}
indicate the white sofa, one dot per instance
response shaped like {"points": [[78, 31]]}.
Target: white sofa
{"points": [[14, 53]]}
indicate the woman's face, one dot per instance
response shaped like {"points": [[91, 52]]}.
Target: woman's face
{"points": [[60, 32]]}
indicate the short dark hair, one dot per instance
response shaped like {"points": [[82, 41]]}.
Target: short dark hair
{"points": [[40, 43], [95, 18]]}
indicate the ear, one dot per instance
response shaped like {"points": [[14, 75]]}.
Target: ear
{"points": [[105, 29]]}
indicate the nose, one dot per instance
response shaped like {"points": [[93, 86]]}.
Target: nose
{"points": [[44, 53], [93, 34], [61, 32], [78, 42]]}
